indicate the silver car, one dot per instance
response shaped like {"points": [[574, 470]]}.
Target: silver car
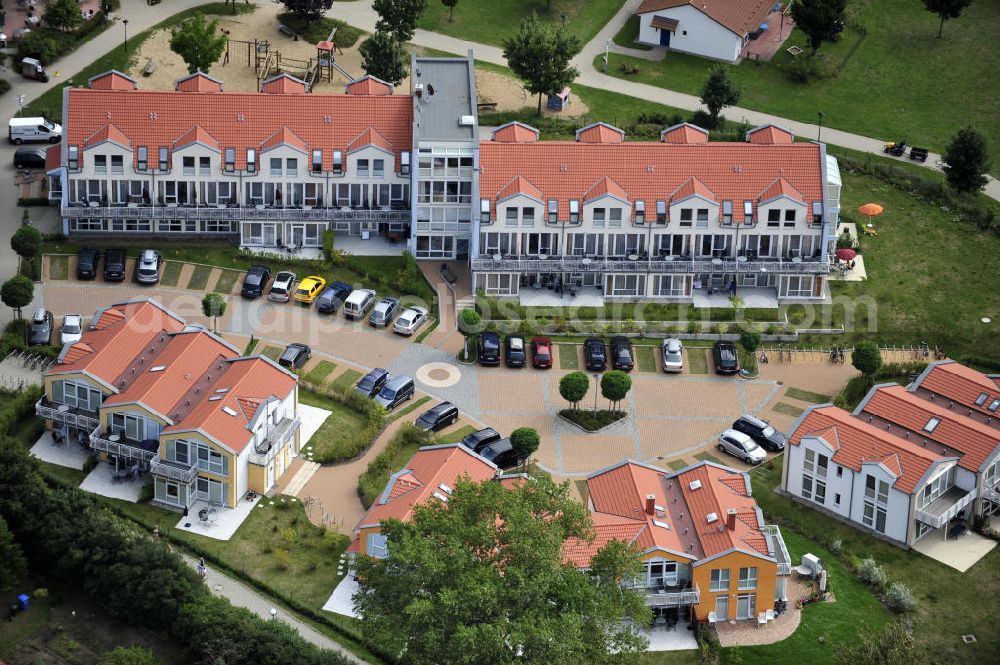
{"points": [[281, 287], [673, 356], [742, 446], [148, 269], [72, 329], [410, 320]]}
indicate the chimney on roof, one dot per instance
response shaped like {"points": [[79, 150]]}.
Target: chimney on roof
{"points": [[731, 519], [650, 504]]}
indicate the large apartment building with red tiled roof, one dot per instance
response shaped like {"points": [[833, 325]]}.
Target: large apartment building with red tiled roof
{"points": [[676, 220], [700, 535], [142, 387], [910, 462], [717, 29]]}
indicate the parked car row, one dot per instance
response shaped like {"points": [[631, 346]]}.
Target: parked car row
{"points": [[387, 390], [147, 268], [43, 327], [514, 351], [750, 438]]}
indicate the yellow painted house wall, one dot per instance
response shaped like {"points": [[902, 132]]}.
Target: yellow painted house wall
{"points": [[256, 477], [363, 538], [701, 576], [48, 380], [106, 411], [230, 480]]}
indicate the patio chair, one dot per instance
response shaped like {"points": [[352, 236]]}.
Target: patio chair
{"points": [[761, 619], [712, 618], [769, 615]]}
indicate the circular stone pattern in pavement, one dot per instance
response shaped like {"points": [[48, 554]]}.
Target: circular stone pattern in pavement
{"points": [[439, 375]]}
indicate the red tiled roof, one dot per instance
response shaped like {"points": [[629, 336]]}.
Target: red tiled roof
{"points": [[239, 120], [684, 133], [722, 490], [184, 358], [564, 170], [108, 133], [368, 85], [196, 134], [515, 132], [605, 187], [283, 136], [113, 80], [369, 137], [780, 187], [519, 185], [428, 469], [53, 155], [962, 385], [739, 16], [692, 187], [198, 82], [858, 441], [580, 552], [283, 84], [122, 331], [769, 135], [600, 132], [248, 381], [76, 351], [969, 435]]}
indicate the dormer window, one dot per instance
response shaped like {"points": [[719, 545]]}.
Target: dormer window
{"points": [[661, 212], [142, 158], [230, 165], [553, 211], [164, 158], [640, 212], [727, 213], [317, 161], [484, 211], [404, 167], [748, 213], [574, 211], [817, 213], [338, 162], [251, 160]]}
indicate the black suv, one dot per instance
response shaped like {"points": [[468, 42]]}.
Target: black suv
{"points": [[332, 297], [295, 356], [501, 453], [29, 158], [489, 349], [725, 357], [762, 432], [86, 263], [479, 440], [514, 351], [372, 382], [114, 265], [621, 354], [438, 417], [255, 281], [595, 354]]}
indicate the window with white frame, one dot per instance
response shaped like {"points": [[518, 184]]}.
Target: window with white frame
{"points": [[615, 218], [773, 217], [574, 211], [790, 218], [338, 162], [117, 164], [164, 158], [435, 247], [254, 193], [275, 168], [527, 216], [687, 216], [376, 546], [378, 168], [797, 286], [935, 488], [76, 394], [497, 284], [598, 218], [362, 168], [748, 213], [670, 285], [727, 213], [510, 216], [640, 212], [292, 166], [748, 578], [101, 164], [876, 503], [317, 161], [661, 212], [719, 580], [230, 160], [204, 166], [187, 165], [625, 285], [251, 160], [553, 213], [814, 469], [404, 167], [142, 158], [702, 218]]}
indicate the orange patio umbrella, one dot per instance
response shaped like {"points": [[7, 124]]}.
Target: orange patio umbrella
{"points": [[870, 210]]}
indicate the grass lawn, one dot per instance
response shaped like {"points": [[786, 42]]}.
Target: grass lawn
{"points": [[317, 375], [645, 358], [58, 267], [900, 56], [314, 31], [272, 352], [347, 379], [788, 409], [413, 406], [171, 273], [457, 435], [677, 464], [227, 280], [708, 457], [947, 605], [339, 429], [199, 278], [490, 21], [807, 396], [569, 357], [697, 359], [629, 33]]}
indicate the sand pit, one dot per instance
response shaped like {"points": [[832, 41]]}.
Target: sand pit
{"points": [[239, 74]]}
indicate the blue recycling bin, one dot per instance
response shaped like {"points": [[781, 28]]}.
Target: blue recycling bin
{"points": [[22, 602]]}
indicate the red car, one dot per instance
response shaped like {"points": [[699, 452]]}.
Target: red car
{"points": [[541, 352]]}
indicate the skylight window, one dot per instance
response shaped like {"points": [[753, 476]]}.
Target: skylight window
{"points": [[444, 488], [229, 411], [158, 368], [215, 398], [981, 399], [712, 517], [695, 484], [932, 425], [440, 497], [994, 405], [661, 524], [221, 390]]}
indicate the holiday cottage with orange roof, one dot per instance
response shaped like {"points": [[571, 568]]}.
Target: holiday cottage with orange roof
{"points": [[701, 537], [141, 387], [716, 29]]}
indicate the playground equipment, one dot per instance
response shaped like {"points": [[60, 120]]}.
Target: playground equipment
{"points": [[268, 61]]}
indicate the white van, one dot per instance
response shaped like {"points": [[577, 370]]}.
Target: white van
{"points": [[358, 303], [33, 129]]}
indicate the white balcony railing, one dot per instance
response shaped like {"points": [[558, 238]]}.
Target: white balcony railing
{"points": [[278, 437], [673, 598], [777, 545], [658, 265], [941, 510], [62, 414], [184, 473], [992, 494], [235, 213], [120, 447]]}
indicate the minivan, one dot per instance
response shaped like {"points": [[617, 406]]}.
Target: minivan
{"points": [[489, 349], [395, 392], [114, 264], [21, 130], [358, 303]]}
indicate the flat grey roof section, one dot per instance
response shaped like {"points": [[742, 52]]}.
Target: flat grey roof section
{"points": [[453, 82]]}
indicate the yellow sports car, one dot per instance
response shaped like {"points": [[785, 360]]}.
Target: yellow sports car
{"points": [[309, 288]]}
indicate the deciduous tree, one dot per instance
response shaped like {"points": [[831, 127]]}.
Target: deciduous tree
{"points": [[307, 10], [469, 321], [818, 19], [967, 160], [867, 359], [213, 305], [719, 91], [198, 42], [946, 9], [540, 56], [525, 441], [382, 56], [62, 15], [573, 387], [17, 293], [481, 579], [450, 4], [399, 17], [615, 386], [27, 242], [14, 564], [750, 339]]}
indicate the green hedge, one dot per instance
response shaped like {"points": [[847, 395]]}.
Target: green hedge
{"points": [[858, 387], [358, 441], [372, 482], [14, 406]]}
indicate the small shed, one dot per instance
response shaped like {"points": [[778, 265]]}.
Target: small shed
{"points": [[560, 100]]}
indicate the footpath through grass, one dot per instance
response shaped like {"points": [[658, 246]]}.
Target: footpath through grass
{"points": [[899, 81], [947, 605]]}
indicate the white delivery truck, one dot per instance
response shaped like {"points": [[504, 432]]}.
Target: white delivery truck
{"points": [[21, 130]]}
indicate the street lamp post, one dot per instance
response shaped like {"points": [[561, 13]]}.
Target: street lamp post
{"points": [[819, 131], [274, 614], [125, 25], [562, 16], [597, 389]]}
